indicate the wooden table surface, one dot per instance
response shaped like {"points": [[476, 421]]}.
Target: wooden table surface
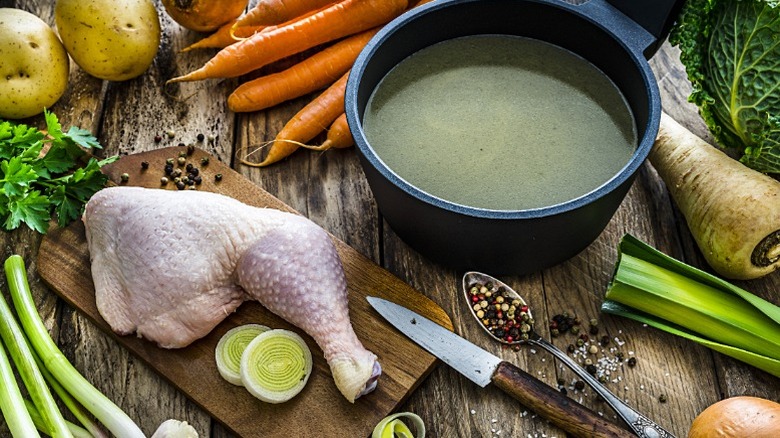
{"points": [[330, 189]]}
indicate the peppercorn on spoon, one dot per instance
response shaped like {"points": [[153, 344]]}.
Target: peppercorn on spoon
{"points": [[511, 305]]}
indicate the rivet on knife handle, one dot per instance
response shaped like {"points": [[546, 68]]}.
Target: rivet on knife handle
{"points": [[562, 411]]}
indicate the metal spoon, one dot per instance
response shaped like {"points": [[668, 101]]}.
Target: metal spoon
{"points": [[639, 424]]}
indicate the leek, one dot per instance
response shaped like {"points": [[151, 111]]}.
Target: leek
{"points": [[111, 416], [392, 426], [276, 366], [231, 347], [12, 404], [655, 289]]}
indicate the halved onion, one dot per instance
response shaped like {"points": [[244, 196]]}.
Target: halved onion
{"points": [[231, 347], [276, 366]]}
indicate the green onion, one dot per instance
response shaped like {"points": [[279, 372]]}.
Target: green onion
{"points": [[92, 399], [22, 355], [231, 347], [653, 288], [78, 411], [78, 432], [276, 366], [11, 402], [392, 426]]}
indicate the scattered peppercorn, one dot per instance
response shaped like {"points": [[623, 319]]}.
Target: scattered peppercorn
{"points": [[144, 165], [579, 385], [164, 181], [190, 149], [591, 369], [125, 177], [218, 177], [169, 161], [571, 348], [157, 139], [200, 137], [171, 133], [662, 398], [631, 361], [204, 161], [180, 185], [594, 330], [181, 161], [181, 144], [604, 341]]}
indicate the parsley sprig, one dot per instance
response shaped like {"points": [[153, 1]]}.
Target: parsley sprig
{"points": [[43, 174]]}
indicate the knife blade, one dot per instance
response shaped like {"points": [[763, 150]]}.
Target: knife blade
{"points": [[483, 368]]}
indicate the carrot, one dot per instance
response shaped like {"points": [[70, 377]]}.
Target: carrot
{"points": [[339, 20], [338, 137], [269, 12], [224, 36], [306, 124], [732, 211], [313, 73]]}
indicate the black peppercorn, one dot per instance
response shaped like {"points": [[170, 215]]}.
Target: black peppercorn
{"points": [[218, 177], [180, 185], [604, 341], [579, 385], [662, 398], [124, 177], [563, 390], [631, 361], [594, 330], [201, 137], [591, 369], [144, 165], [571, 348]]}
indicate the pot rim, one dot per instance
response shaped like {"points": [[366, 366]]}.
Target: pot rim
{"points": [[369, 155]]}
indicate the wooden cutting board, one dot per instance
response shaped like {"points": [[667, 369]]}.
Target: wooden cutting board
{"points": [[320, 410]]}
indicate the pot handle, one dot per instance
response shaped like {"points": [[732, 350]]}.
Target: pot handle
{"points": [[642, 24]]}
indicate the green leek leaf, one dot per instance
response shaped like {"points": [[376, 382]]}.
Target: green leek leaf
{"points": [[656, 289]]}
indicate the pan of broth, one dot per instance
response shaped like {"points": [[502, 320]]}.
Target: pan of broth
{"points": [[503, 134]]}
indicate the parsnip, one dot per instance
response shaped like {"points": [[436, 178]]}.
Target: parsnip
{"points": [[732, 211]]}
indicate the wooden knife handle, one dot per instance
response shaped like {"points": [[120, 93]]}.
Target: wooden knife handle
{"points": [[556, 407]]}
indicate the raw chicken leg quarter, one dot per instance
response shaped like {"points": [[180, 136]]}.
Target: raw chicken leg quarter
{"points": [[171, 265]]}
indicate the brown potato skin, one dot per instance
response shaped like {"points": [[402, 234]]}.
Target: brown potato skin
{"points": [[204, 15], [738, 417]]}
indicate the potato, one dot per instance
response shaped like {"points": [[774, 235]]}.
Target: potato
{"points": [[33, 65], [114, 40]]}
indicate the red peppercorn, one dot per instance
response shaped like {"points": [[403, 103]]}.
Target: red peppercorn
{"points": [[474, 299], [524, 308], [509, 338]]}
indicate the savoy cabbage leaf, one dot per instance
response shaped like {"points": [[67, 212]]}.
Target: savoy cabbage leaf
{"points": [[731, 53]]}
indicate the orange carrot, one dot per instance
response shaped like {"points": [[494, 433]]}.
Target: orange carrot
{"points": [[224, 36], [306, 124], [313, 73], [268, 12], [339, 20], [338, 137]]}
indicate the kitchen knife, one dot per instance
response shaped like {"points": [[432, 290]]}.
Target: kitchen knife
{"points": [[484, 368]]}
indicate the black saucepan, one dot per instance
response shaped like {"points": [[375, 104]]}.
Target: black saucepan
{"points": [[523, 241]]}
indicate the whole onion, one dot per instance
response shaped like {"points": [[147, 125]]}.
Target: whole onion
{"points": [[738, 417]]}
